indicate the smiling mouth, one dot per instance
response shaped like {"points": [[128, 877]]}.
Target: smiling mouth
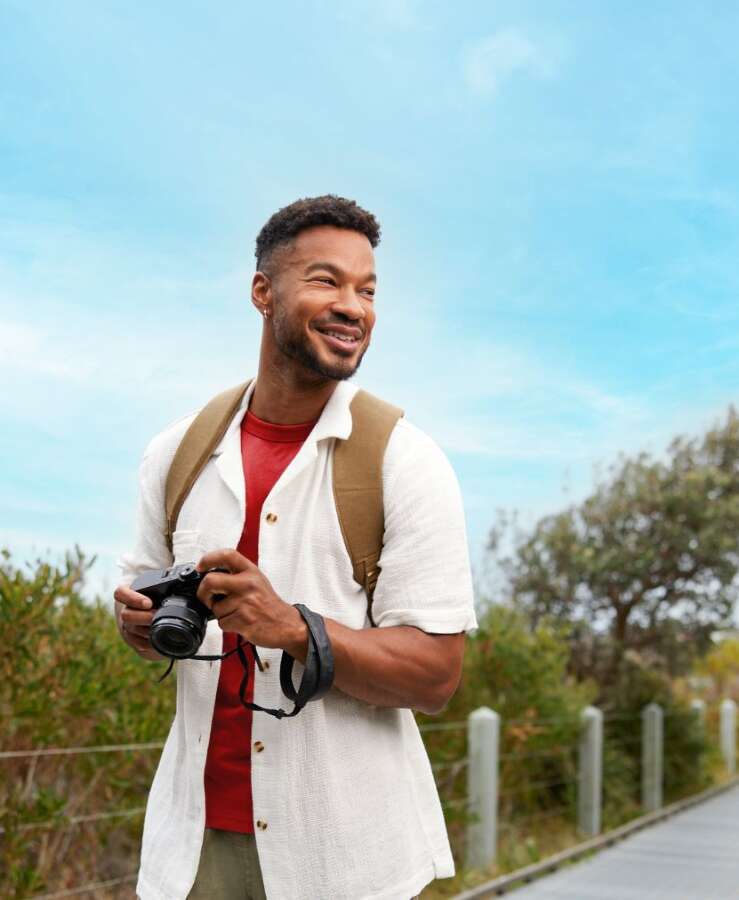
{"points": [[343, 343]]}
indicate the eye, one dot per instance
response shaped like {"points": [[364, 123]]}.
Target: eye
{"points": [[324, 279], [369, 292]]}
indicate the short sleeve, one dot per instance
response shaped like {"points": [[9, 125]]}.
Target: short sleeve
{"points": [[425, 578], [150, 549]]}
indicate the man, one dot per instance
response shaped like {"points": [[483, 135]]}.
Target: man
{"points": [[338, 802]]}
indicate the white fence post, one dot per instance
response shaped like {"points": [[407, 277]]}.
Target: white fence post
{"points": [[728, 734], [590, 772], [483, 740], [652, 745], [699, 708]]}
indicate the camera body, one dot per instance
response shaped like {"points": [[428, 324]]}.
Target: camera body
{"points": [[178, 626]]}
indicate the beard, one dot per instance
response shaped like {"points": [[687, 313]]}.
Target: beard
{"points": [[295, 345]]}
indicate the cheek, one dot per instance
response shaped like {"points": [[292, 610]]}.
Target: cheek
{"points": [[310, 308]]}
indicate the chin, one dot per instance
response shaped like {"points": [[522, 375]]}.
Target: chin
{"points": [[315, 359], [339, 373], [338, 369]]}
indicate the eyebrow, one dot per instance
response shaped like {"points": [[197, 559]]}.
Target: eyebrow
{"points": [[334, 270]]}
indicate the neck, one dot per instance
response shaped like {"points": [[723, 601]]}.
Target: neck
{"points": [[285, 397]]}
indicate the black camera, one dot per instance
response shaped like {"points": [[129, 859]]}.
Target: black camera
{"points": [[178, 626]]}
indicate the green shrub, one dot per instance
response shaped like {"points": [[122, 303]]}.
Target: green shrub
{"points": [[688, 751], [67, 680], [521, 674]]}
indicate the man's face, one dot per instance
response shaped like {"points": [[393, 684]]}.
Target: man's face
{"points": [[323, 300]]}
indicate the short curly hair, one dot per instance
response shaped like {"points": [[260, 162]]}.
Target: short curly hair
{"points": [[287, 223]]}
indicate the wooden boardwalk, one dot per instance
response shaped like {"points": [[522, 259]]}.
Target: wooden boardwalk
{"points": [[692, 856]]}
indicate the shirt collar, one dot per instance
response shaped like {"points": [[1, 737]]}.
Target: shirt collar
{"points": [[335, 420]]}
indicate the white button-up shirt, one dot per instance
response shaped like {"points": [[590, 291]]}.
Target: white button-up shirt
{"points": [[343, 793]]}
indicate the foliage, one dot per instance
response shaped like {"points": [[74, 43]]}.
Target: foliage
{"points": [[721, 666], [521, 674], [69, 680], [524, 674], [688, 754], [649, 559]]}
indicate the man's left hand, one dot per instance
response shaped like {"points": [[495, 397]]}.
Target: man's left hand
{"points": [[243, 601]]}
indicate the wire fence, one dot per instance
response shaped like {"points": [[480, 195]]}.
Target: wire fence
{"points": [[539, 766], [62, 809], [38, 753], [89, 888], [538, 783], [537, 775], [79, 820]]}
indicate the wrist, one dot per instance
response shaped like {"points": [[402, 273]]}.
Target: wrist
{"points": [[296, 640]]}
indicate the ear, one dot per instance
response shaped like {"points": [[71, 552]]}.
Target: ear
{"points": [[261, 293]]}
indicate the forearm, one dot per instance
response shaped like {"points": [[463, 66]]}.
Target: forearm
{"points": [[396, 667]]}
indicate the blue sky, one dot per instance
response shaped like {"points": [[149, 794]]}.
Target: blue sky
{"points": [[556, 182]]}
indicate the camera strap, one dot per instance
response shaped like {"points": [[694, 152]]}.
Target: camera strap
{"points": [[215, 658], [319, 662], [318, 674]]}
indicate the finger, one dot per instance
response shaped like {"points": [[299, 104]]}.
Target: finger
{"points": [[131, 631], [226, 607], [136, 616], [229, 622], [215, 586], [123, 594], [226, 559], [138, 643], [138, 631]]}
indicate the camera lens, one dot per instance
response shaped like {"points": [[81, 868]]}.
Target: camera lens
{"points": [[177, 629]]}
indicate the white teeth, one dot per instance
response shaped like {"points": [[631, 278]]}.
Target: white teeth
{"points": [[340, 337]]}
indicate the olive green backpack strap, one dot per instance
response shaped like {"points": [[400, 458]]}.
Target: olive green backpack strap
{"points": [[357, 477], [195, 449]]}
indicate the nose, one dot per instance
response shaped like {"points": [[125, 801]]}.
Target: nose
{"points": [[348, 304]]}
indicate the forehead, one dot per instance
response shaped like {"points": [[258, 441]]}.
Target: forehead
{"points": [[345, 249]]}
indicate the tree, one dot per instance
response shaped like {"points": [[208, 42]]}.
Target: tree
{"points": [[649, 559]]}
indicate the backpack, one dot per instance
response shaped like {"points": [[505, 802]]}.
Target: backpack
{"points": [[357, 474]]}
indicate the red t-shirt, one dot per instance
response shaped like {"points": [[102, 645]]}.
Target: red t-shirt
{"points": [[266, 451]]}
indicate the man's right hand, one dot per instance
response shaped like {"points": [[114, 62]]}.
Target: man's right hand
{"points": [[133, 614]]}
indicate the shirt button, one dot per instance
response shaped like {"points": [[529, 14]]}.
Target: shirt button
{"points": [[258, 746], [262, 825], [271, 518], [265, 664]]}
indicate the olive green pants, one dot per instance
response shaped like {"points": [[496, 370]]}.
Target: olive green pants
{"points": [[228, 868]]}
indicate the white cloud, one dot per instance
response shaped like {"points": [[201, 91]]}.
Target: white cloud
{"points": [[81, 321], [516, 421], [26, 348], [487, 63], [487, 398]]}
